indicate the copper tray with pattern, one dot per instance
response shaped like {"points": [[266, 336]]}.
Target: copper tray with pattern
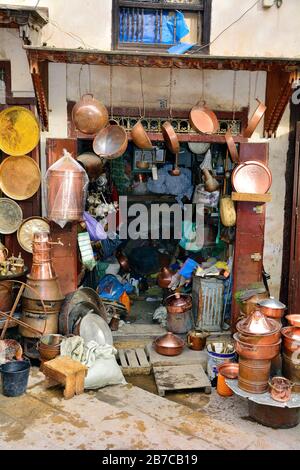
{"points": [[252, 177]]}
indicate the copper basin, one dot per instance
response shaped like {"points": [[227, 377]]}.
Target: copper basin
{"points": [[111, 142], [140, 137], [291, 338], [256, 351], [229, 370], [89, 115]]}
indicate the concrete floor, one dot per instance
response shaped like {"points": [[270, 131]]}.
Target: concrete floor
{"points": [[131, 417]]}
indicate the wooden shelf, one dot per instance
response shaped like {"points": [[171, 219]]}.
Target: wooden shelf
{"points": [[248, 197]]}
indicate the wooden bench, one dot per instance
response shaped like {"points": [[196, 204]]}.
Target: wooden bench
{"points": [[67, 372]]}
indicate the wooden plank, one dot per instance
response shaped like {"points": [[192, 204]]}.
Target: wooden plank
{"points": [[174, 378], [132, 359], [122, 358], [142, 358], [249, 197]]}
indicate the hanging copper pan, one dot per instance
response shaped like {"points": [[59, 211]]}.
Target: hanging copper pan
{"points": [[254, 121], [19, 131], [252, 177], [203, 119], [170, 137], [140, 137], [20, 177], [89, 115], [111, 142], [231, 146]]}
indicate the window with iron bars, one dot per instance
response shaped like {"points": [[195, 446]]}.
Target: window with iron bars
{"points": [[161, 24]]}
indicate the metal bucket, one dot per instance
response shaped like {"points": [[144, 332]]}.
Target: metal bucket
{"points": [[208, 303], [254, 375], [291, 370], [180, 323]]}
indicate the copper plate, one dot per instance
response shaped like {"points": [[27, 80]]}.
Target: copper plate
{"points": [[20, 177], [19, 131], [252, 177], [27, 229], [11, 216]]}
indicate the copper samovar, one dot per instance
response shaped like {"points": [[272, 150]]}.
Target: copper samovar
{"points": [[43, 284]]}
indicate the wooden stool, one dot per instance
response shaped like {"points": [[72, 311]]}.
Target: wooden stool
{"points": [[65, 371]]}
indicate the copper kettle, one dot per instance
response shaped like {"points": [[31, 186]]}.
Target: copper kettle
{"points": [[164, 278]]}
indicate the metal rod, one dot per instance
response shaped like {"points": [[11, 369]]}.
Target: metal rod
{"points": [[11, 314], [21, 323]]}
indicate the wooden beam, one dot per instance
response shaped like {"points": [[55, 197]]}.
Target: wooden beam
{"points": [[161, 60], [39, 75]]}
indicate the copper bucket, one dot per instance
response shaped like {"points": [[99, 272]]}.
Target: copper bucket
{"points": [[254, 375]]}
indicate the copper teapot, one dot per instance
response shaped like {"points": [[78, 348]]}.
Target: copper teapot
{"points": [[164, 278]]}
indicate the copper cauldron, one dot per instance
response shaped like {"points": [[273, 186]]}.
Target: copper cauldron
{"points": [[89, 115], [256, 351]]}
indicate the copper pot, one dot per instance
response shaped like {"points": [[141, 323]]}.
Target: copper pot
{"points": [[46, 323], [89, 115], [169, 345], [256, 351], [196, 340], [281, 389], [92, 164], [254, 121], [272, 308], [291, 338], [140, 137], [254, 375], [49, 346], [170, 137], [256, 329], [111, 142], [294, 320], [164, 278], [204, 119], [178, 303]]}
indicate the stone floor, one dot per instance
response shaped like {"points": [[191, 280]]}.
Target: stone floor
{"points": [[132, 417]]}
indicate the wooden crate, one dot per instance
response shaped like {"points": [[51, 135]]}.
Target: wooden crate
{"points": [[134, 361]]}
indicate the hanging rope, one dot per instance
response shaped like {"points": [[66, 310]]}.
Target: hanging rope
{"points": [[170, 93], [142, 94], [234, 95]]}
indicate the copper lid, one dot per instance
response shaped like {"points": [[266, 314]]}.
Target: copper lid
{"points": [[179, 300], [271, 303], [169, 341], [258, 324]]}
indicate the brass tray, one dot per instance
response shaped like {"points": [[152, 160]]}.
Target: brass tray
{"points": [[27, 229], [19, 131], [20, 177], [11, 216]]}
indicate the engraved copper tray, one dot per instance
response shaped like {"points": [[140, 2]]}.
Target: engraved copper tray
{"points": [[252, 177], [20, 177]]}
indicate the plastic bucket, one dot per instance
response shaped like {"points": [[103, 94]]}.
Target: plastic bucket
{"points": [[15, 376], [215, 360]]}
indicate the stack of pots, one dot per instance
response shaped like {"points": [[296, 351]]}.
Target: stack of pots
{"points": [[179, 308], [257, 342], [291, 352], [42, 284]]}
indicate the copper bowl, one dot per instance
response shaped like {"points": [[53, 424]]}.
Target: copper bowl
{"points": [[291, 338], [169, 345], [140, 137], [89, 115], [229, 370], [294, 320], [111, 142], [204, 119]]}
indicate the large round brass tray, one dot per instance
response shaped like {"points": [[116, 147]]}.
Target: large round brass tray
{"points": [[19, 131], [11, 216], [20, 177]]}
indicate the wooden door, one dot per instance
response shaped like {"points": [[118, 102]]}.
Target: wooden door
{"points": [[294, 277], [250, 229], [65, 258]]}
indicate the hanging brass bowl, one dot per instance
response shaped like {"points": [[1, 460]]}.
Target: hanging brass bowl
{"points": [[20, 177], [27, 229], [19, 131], [11, 216]]}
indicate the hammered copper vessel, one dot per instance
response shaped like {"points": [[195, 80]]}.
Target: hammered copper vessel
{"points": [[89, 115], [45, 285]]}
